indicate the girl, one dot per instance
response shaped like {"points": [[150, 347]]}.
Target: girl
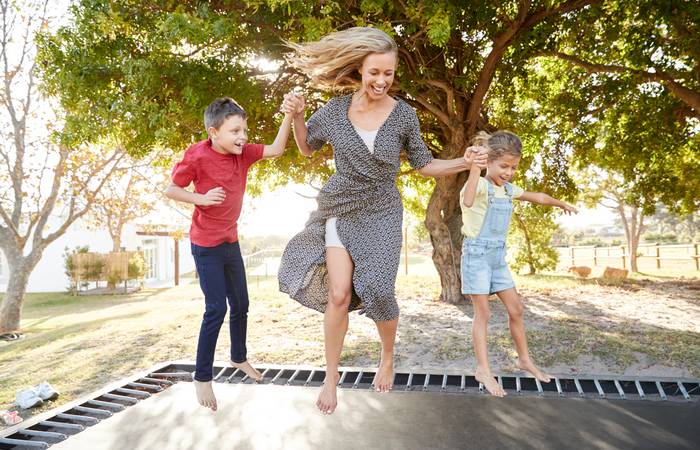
{"points": [[487, 204], [347, 257]]}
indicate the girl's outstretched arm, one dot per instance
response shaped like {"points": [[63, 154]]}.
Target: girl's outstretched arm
{"points": [[543, 199]]}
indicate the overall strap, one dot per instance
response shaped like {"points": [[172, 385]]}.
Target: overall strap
{"points": [[490, 191], [509, 190]]}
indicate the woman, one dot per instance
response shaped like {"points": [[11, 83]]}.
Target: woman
{"points": [[347, 257]]}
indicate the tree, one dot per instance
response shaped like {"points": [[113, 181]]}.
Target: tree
{"points": [[145, 70], [46, 186]]}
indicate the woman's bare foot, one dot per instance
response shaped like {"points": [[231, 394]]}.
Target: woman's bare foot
{"points": [[248, 370], [205, 394], [537, 373], [489, 383], [327, 400], [384, 379]]}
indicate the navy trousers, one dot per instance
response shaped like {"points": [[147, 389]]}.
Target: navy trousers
{"points": [[221, 277]]}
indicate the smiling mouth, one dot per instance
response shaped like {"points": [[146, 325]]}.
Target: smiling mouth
{"points": [[378, 90]]}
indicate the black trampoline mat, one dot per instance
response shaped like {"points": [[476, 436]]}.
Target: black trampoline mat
{"points": [[285, 417]]}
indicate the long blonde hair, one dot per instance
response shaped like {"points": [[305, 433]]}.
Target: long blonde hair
{"points": [[333, 62], [500, 143]]}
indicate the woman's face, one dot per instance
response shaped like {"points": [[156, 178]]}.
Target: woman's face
{"points": [[378, 74]]}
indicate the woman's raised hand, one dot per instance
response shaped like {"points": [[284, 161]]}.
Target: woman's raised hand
{"points": [[476, 156], [293, 103]]}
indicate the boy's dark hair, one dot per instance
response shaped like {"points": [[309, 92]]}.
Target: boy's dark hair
{"points": [[499, 144], [221, 109]]}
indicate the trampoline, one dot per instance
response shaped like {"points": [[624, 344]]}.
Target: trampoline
{"points": [[156, 409]]}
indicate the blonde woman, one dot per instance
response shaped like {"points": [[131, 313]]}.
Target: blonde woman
{"points": [[347, 256]]}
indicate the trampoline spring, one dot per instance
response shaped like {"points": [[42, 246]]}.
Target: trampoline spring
{"points": [[133, 392], [342, 377], [601, 393], [170, 375], [481, 387], [122, 398], [639, 389], [662, 394], [463, 383], [78, 418], [500, 381], [357, 380], [683, 391], [67, 426], [24, 443], [426, 383], [444, 382], [540, 391], [262, 376], [89, 410], [579, 388], [620, 391], [157, 381], [409, 382], [518, 387], [277, 376], [233, 375], [145, 386], [294, 375], [115, 406], [309, 378], [218, 375], [46, 434], [559, 389]]}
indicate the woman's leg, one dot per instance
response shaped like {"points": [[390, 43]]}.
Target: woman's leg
{"points": [[482, 313], [384, 380], [514, 306], [335, 322]]}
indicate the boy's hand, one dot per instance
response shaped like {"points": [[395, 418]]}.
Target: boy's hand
{"points": [[568, 209], [476, 156], [293, 103], [215, 196]]}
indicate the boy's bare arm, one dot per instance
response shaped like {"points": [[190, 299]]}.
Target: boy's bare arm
{"points": [[543, 199], [213, 197], [277, 148]]}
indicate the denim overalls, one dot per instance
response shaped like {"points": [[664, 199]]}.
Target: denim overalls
{"points": [[484, 269]]}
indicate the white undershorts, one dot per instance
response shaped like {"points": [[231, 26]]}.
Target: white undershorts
{"points": [[332, 239]]}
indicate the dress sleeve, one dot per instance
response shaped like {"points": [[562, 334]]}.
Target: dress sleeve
{"points": [[317, 127], [417, 152], [185, 171]]}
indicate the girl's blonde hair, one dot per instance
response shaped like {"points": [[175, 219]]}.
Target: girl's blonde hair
{"points": [[333, 62], [499, 143]]}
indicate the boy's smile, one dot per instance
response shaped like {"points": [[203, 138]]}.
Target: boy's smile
{"points": [[230, 137]]}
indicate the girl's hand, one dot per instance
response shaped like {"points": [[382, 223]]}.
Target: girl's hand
{"points": [[568, 209], [293, 103]]}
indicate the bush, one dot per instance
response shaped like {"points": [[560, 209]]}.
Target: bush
{"points": [[70, 268], [668, 238], [137, 267]]}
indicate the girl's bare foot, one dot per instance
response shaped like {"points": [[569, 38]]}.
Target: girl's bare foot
{"points": [[205, 394], [489, 383], [537, 373], [327, 400], [248, 370], [384, 379]]}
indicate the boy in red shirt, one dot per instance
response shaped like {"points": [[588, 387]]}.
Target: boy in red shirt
{"points": [[218, 168]]}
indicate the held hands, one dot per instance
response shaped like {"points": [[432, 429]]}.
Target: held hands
{"points": [[214, 197], [293, 103], [476, 157]]}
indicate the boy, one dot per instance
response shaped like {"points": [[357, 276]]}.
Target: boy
{"points": [[218, 168]]}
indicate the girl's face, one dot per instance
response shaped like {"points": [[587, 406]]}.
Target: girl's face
{"points": [[500, 171], [378, 74]]}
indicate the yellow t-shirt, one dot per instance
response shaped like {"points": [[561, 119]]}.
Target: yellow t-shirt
{"points": [[473, 217]]}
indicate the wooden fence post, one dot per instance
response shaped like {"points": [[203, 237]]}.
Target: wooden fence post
{"points": [[697, 261], [624, 265], [595, 256], [658, 256], [573, 261]]}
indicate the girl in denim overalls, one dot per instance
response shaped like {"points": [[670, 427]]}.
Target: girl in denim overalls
{"points": [[487, 204]]}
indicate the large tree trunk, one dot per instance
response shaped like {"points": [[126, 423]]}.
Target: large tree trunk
{"points": [[11, 307], [443, 219]]}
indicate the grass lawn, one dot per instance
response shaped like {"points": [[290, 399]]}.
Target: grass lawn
{"points": [[641, 326]]}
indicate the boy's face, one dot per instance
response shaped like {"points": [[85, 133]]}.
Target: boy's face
{"points": [[500, 171], [378, 74], [230, 136]]}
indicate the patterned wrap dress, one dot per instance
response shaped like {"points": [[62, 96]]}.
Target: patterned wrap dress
{"points": [[362, 194]]}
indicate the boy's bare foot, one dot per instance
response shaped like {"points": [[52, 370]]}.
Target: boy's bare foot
{"points": [[205, 394], [384, 379], [489, 383], [327, 400], [249, 370], [537, 373]]}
